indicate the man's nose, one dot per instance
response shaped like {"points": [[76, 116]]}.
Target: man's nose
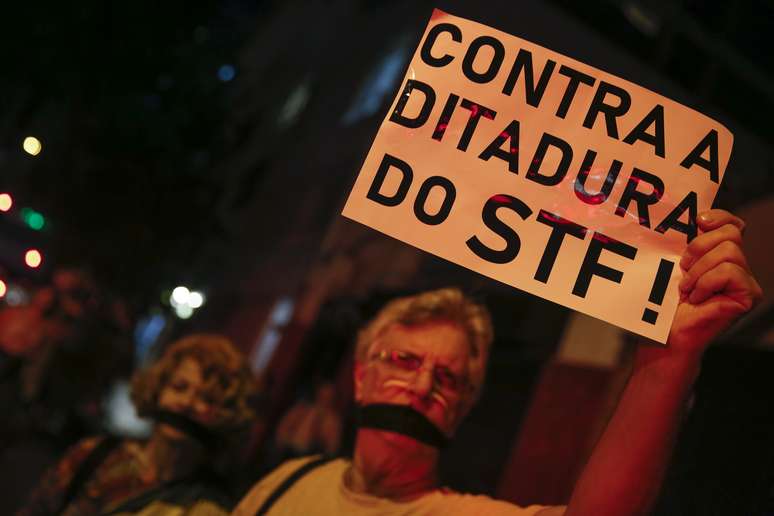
{"points": [[422, 382]]}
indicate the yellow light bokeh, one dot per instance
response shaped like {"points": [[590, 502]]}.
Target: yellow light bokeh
{"points": [[33, 258], [6, 201], [32, 145]]}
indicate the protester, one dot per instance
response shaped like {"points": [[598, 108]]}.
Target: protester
{"points": [[60, 350], [69, 343], [309, 428], [198, 393], [420, 364]]}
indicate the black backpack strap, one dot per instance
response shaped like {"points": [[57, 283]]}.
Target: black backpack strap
{"points": [[204, 484], [86, 469], [288, 483]]}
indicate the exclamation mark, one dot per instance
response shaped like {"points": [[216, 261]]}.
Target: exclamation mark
{"points": [[658, 290]]}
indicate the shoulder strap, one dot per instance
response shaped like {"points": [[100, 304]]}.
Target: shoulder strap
{"points": [[202, 484], [182, 490], [86, 469], [288, 483]]}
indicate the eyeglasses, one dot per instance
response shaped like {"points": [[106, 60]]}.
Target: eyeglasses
{"points": [[409, 362]]}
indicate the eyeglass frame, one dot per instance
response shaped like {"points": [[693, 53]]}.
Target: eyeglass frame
{"points": [[461, 382]]}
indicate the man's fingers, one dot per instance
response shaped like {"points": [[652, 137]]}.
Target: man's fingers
{"points": [[715, 218], [725, 251], [705, 242], [731, 281]]}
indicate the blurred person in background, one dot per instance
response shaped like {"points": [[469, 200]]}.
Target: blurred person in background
{"points": [[68, 344], [199, 394], [59, 353], [310, 427], [420, 367]]}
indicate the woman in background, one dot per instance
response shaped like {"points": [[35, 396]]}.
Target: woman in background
{"points": [[198, 392]]}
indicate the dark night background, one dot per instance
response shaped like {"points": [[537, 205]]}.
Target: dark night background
{"points": [[211, 144]]}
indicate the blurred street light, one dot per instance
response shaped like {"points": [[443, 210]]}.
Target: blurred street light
{"points": [[226, 72], [179, 296], [16, 295], [185, 301], [32, 146], [195, 299], [184, 311], [33, 258], [34, 219], [6, 201]]}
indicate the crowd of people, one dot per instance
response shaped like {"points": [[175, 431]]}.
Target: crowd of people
{"points": [[419, 368]]}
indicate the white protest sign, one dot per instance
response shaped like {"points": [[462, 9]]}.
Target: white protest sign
{"points": [[542, 172]]}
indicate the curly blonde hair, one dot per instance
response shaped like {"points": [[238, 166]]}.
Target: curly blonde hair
{"points": [[227, 378], [446, 304]]}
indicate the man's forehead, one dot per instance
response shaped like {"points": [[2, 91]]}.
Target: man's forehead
{"points": [[434, 333]]}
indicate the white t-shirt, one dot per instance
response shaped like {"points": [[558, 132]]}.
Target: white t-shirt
{"points": [[322, 492]]}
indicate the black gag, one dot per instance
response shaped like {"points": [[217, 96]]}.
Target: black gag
{"points": [[188, 426], [402, 420]]}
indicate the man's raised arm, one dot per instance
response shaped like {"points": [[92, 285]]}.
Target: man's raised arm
{"points": [[625, 471]]}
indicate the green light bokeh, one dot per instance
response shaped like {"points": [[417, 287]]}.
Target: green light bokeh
{"points": [[33, 219]]}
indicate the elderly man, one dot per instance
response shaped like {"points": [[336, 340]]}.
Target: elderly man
{"points": [[420, 365]]}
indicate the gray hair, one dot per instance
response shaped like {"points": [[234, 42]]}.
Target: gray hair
{"points": [[446, 304]]}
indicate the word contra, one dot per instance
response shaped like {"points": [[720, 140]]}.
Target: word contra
{"points": [[600, 105]]}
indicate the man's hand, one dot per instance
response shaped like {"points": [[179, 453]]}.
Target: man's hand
{"points": [[625, 471], [718, 286]]}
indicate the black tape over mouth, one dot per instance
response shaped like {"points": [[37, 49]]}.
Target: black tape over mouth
{"points": [[403, 420], [188, 426]]}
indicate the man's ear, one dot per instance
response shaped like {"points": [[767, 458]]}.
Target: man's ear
{"points": [[358, 375]]}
